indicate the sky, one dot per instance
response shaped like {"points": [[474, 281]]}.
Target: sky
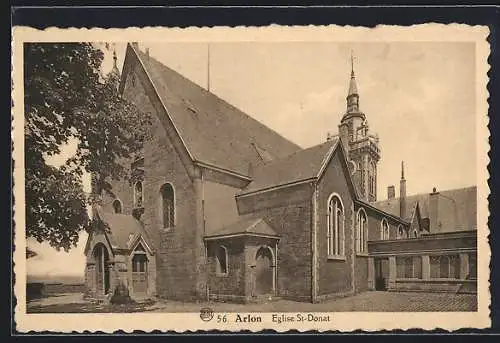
{"points": [[419, 98]]}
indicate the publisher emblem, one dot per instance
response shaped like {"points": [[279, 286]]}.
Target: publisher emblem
{"points": [[206, 314]]}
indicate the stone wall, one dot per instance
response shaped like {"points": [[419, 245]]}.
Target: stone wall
{"points": [[335, 274], [232, 283], [288, 212], [177, 259]]}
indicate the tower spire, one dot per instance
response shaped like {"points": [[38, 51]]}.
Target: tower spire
{"points": [[115, 72], [402, 170], [352, 94], [353, 87], [352, 64]]}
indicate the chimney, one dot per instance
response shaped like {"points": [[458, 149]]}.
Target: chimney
{"points": [[147, 53], [391, 192], [135, 45], [433, 211], [329, 136], [402, 193]]}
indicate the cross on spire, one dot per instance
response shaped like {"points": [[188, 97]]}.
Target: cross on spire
{"points": [[352, 63]]}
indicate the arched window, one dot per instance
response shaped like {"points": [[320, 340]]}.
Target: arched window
{"points": [[372, 178], [138, 194], [167, 208], [222, 259], [361, 235], [384, 230], [335, 221], [401, 232], [117, 206], [415, 234]]}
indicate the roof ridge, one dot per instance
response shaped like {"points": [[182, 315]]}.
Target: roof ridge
{"points": [[254, 224], [280, 159], [425, 194], [224, 102]]}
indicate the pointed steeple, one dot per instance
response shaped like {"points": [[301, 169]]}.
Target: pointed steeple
{"points": [[352, 94], [353, 87], [115, 73], [115, 66]]}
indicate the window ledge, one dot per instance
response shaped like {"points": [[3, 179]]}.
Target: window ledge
{"points": [[362, 254], [336, 258]]}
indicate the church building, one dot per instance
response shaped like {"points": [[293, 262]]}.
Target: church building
{"points": [[221, 207]]}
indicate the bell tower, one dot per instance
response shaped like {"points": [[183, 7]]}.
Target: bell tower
{"points": [[361, 146]]}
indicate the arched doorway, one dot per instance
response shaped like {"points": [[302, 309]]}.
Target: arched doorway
{"points": [[101, 258], [264, 271], [140, 271]]}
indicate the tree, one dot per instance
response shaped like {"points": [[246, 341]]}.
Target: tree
{"points": [[67, 97]]}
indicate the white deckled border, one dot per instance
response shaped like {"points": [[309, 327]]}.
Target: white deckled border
{"points": [[179, 322]]}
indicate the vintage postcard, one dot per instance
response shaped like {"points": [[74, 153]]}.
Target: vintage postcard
{"points": [[289, 178]]}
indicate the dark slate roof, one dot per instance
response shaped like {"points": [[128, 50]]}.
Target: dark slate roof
{"points": [[255, 226], [464, 213], [301, 165], [214, 131], [122, 228]]}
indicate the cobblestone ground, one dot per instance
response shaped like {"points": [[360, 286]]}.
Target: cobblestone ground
{"points": [[368, 301]]}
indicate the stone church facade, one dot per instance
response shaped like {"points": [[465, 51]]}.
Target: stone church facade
{"points": [[221, 207]]}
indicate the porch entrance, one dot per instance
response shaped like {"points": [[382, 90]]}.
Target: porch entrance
{"points": [[264, 272], [381, 274], [101, 258], [139, 271]]}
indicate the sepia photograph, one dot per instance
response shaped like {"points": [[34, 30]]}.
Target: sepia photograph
{"points": [[256, 181]]}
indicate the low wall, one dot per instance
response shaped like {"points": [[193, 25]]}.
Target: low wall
{"points": [[444, 262], [435, 286]]}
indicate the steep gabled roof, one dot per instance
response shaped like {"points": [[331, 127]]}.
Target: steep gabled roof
{"points": [[122, 229], [246, 226], [299, 166], [214, 132], [461, 207], [392, 206]]}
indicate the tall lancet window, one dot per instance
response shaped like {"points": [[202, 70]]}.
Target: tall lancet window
{"points": [[138, 194], [384, 230], [167, 208], [361, 232], [372, 184], [335, 226]]}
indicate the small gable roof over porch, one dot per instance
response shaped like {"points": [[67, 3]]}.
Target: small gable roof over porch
{"points": [[122, 231], [245, 227]]}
